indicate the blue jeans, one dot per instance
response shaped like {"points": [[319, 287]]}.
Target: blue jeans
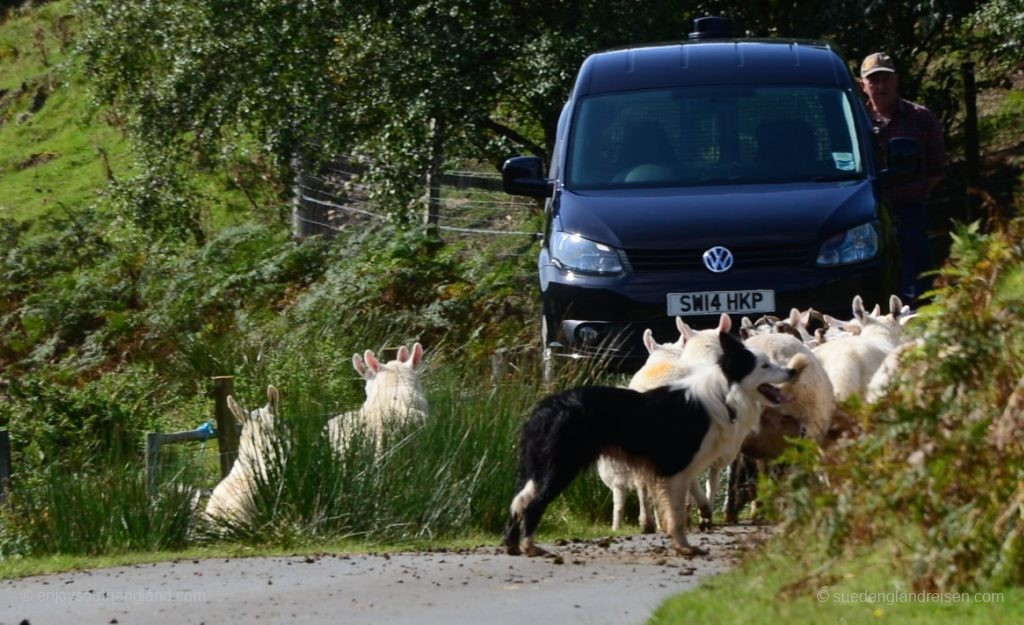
{"points": [[911, 221]]}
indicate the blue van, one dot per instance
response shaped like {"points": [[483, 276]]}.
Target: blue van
{"points": [[713, 175]]}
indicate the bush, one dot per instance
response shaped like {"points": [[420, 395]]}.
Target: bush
{"points": [[938, 463]]}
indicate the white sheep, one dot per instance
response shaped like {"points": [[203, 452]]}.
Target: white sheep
{"points": [[232, 498], [394, 395], [666, 363], [851, 361]]}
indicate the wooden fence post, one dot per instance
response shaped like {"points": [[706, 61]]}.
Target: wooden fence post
{"points": [[5, 462], [434, 176], [227, 428], [152, 460], [498, 361]]}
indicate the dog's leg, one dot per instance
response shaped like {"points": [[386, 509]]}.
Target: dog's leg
{"points": [[678, 487], [523, 498], [545, 493]]}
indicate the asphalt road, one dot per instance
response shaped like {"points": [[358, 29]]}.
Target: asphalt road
{"points": [[616, 581]]}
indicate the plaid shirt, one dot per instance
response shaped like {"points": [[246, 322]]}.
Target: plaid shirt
{"points": [[916, 122]]}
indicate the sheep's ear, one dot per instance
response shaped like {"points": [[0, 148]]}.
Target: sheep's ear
{"points": [[833, 322], [372, 364], [273, 399], [417, 355], [877, 310], [819, 335], [795, 318], [358, 365], [649, 340], [241, 414], [745, 332], [724, 323], [685, 331], [746, 323], [895, 306], [403, 354], [858, 308]]}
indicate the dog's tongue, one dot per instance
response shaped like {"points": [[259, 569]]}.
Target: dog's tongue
{"points": [[773, 394]]}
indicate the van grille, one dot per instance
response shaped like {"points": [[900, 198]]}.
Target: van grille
{"points": [[690, 259]]}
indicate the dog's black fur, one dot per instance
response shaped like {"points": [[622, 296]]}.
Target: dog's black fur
{"points": [[662, 429]]}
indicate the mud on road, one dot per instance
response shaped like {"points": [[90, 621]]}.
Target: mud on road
{"points": [[617, 581]]}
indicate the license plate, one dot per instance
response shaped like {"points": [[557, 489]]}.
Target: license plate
{"points": [[716, 302]]}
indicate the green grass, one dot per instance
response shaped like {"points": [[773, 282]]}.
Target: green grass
{"points": [[786, 582], [51, 157], [54, 158], [445, 482]]}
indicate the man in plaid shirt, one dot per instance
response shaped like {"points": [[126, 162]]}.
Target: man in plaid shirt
{"points": [[892, 116]]}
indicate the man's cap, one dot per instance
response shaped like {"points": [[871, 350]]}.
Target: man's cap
{"points": [[877, 62]]}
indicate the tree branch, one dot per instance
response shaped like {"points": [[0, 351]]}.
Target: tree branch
{"points": [[508, 133]]}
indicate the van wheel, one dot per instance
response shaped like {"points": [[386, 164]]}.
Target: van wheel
{"points": [[547, 361]]}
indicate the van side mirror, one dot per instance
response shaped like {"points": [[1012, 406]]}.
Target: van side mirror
{"points": [[904, 163], [523, 175]]}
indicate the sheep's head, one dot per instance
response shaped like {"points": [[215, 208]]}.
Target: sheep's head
{"points": [[257, 425], [874, 324], [394, 382]]}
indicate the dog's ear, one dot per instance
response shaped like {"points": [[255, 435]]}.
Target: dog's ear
{"points": [[819, 335], [736, 361], [240, 413], [876, 311], [724, 323], [729, 343], [416, 356], [649, 340], [273, 400]]}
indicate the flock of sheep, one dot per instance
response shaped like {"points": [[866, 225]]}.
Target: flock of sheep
{"points": [[844, 358]]}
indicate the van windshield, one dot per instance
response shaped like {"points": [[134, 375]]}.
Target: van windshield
{"points": [[713, 135]]}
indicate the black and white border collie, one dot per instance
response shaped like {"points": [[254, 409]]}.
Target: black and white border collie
{"points": [[674, 431]]}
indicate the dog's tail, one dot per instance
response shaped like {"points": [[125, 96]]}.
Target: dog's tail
{"points": [[519, 503]]}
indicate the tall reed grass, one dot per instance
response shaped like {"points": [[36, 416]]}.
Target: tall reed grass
{"points": [[449, 477]]}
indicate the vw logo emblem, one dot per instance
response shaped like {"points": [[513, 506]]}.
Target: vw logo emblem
{"points": [[718, 259]]}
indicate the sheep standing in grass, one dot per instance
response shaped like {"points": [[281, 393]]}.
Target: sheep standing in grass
{"points": [[394, 395], [232, 499]]}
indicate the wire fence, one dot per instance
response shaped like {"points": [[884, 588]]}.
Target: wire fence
{"points": [[472, 204]]}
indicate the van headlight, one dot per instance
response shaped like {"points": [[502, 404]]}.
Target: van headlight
{"points": [[573, 252], [853, 246]]}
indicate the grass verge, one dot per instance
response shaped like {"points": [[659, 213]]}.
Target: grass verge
{"points": [[792, 580]]}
